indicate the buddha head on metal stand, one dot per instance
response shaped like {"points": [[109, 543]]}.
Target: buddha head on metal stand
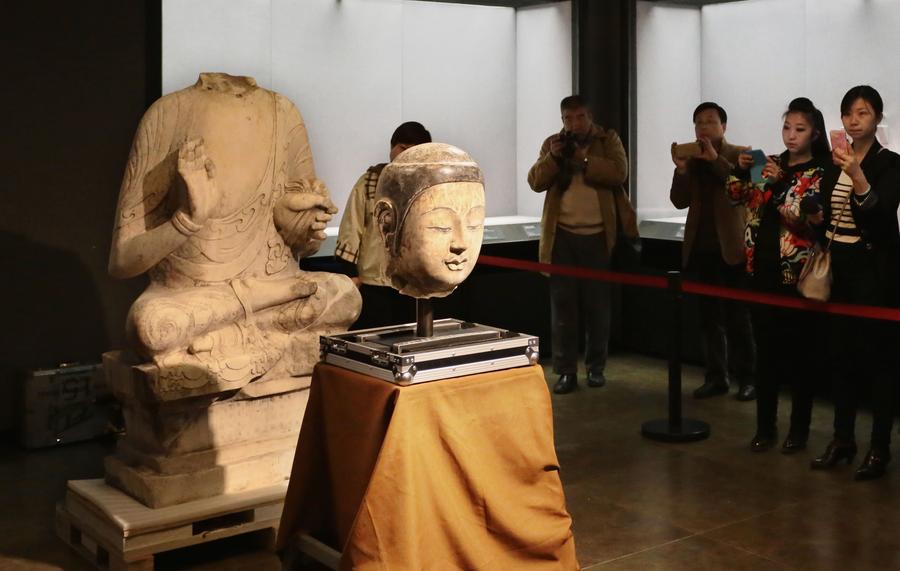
{"points": [[429, 207]]}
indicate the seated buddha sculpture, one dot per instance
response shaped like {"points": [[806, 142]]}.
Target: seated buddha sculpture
{"points": [[219, 200]]}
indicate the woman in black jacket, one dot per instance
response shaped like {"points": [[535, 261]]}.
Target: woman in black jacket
{"points": [[865, 265]]}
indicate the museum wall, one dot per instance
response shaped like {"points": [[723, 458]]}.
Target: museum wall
{"points": [[543, 78], [668, 89], [75, 74], [483, 78], [753, 57]]}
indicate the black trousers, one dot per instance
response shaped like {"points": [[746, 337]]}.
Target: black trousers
{"points": [[728, 343], [574, 301], [787, 353], [859, 349]]}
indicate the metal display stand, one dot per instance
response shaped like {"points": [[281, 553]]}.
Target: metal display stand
{"points": [[429, 350]]}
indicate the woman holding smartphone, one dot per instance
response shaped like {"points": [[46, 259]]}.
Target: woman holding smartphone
{"points": [[778, 240], [864, 265]]}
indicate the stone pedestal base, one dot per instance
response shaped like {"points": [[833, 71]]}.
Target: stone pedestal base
{"points": [[203, 446], [156, 489]]}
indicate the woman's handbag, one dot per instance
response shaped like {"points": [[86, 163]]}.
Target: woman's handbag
{"points": [[815, 278]]}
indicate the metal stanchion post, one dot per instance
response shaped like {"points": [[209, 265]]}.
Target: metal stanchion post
{"points": [[675, 428]]}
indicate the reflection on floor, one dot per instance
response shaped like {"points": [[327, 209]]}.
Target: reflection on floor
{"points": [[636, 504]]}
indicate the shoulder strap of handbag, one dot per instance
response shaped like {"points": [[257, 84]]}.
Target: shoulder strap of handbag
{"points": [[838, 219]]}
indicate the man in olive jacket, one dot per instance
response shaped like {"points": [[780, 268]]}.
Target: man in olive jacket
{"points": [[580, 168], [713, 251]]}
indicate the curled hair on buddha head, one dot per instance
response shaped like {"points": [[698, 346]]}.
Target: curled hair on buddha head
{"points": [[410, 133], [803, 105], [868, 94]]}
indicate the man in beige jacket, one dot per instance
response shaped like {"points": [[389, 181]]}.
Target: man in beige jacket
{"points": [[580, 168], [713, 251]]}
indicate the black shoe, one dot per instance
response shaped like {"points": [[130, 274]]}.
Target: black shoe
{"points": [[874, 466], [567, 383], [834, 453], [746, 393], [793, 444], [762, 442], [711, 389], [596, 379]]}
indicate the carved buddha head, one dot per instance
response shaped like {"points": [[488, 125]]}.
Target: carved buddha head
{"points": [[429, 207]]}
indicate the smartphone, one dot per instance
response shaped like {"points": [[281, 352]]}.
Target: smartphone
{"points": [[759, 163], [839, 140]]}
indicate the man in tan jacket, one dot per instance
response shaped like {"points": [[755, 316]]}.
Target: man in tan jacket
{"points": [[713, 251], [580, 168]]}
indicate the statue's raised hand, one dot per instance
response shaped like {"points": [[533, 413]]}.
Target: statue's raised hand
{"points": [[199, 173]]}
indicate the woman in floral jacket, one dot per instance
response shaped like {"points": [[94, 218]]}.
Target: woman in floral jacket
{"points": [[779, 236]]}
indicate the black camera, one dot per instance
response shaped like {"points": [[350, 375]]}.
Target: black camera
{"points": [[568, 139]]}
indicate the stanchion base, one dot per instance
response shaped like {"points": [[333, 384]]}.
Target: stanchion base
{"points": [[688, 431]]}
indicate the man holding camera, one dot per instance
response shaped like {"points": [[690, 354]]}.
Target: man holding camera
{"points": [[580, 168], [713, 250]]}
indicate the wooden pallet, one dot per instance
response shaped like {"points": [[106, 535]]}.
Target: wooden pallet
{"points": [[118, 533]]}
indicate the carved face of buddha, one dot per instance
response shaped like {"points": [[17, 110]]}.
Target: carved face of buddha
{"points": [[441, 238], [430, 210]]}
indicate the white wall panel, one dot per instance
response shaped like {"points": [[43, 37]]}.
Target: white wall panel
{"points": [[853, 42], [543, 78], [754, 63], [668, 90], [340, 63], [228, 35], [459, 71]]}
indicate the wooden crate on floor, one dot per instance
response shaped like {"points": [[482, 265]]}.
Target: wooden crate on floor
{"points": [[118, 533]]}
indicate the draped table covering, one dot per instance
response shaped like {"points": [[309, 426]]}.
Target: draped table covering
{"points": [[453, 474]]}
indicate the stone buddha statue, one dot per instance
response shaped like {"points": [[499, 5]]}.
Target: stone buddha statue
{"points": [[219, 197], [429, 205]]}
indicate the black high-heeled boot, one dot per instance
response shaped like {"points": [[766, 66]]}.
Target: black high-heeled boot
{"points": [[874, 465], [834, 453]]}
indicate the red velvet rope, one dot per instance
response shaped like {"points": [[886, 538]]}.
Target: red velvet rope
{"points": [[687, 286]]}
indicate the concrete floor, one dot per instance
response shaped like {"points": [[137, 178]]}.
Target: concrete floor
{"points": [[636, 504]]}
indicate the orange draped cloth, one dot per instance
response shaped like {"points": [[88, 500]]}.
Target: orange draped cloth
{"points": [[454, 474]]}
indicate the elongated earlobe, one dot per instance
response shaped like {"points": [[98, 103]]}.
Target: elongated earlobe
{"points": [[385, 219]]}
